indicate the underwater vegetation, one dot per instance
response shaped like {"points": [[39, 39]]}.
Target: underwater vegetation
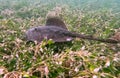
{"points": [[78, 59]]}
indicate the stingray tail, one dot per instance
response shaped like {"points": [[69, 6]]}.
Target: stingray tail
{"points": [[96, 39]]}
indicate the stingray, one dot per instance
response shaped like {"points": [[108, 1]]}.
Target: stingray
{"points": [[56, 30]]}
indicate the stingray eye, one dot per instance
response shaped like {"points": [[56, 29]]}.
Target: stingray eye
{"points": [[35, 29]]}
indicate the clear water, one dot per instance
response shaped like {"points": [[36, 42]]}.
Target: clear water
{"points": [[87, 5]]}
